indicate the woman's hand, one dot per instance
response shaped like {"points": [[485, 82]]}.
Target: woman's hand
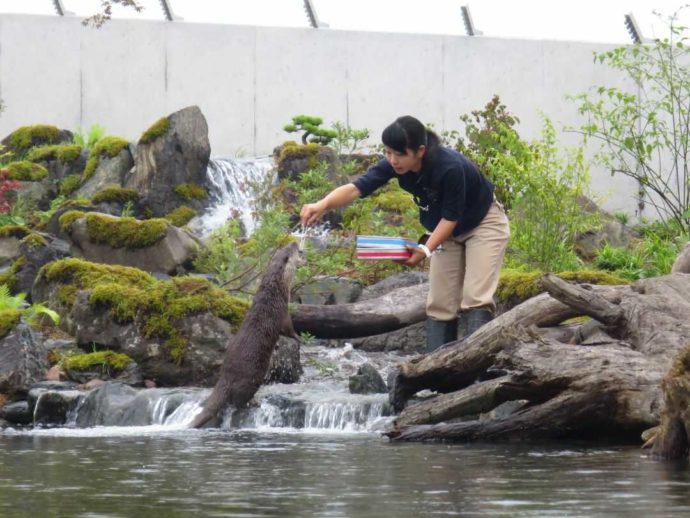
{"points": [[311, 212]]}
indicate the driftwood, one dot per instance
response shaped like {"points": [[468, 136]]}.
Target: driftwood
{"points": [[399, 308], [601, 380]]}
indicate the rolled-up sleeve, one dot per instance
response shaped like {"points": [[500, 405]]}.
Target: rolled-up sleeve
{"points": [[374, 178], [454, 202]]}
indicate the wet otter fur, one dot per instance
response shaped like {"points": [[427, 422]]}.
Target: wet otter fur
{"points": [[248, 354]]}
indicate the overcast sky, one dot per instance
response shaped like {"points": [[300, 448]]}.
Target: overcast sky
{"points": [[579, 20]]}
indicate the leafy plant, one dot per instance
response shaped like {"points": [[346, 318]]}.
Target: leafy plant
{"points": [[547, 216], [643, 131], [89, 139], [32, 313], [313, 131], [347, 139], [491, 141]]}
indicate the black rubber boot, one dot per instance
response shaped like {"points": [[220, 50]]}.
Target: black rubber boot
{"points": [[476, 318], [439, 332]]}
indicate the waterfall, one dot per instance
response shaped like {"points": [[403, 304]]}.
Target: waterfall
{"points": [[232, 183]]}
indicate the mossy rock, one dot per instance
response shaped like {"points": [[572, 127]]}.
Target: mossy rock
{"points": [[117, 232], [25, 171], [132, 295], [107, 147], [115, 194], [515, 287], [24, 138], [18, 231], [181, 215], [128, 233], [34, 240], [190, 191], [291, 150], [69, 217], [66, 153], [9, 276], [157, 129], [104, 360]]}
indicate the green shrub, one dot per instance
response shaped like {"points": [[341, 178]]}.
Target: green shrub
{"points": [[190, 191], [181, 215], [26, 137], [157, 129], [115, 194], [66, 153], [25, 171], [69, 184]]}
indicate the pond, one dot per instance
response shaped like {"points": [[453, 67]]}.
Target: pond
{"points": [[162, 471]]}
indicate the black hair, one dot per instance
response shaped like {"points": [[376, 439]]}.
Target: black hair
{"points": [[408, 132]]}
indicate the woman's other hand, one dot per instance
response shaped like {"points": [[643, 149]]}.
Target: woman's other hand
{"points": [[416, 256]]}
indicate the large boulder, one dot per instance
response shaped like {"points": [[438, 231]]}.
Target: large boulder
{"points": [[150, 245], [174, 152], [176, 330], [328, 290], [611, 231], [23, 360]]}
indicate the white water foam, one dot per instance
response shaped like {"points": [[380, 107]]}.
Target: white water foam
{"points": [[231, 190]]}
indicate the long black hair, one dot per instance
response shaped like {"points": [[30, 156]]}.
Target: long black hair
{"points": [[408, 132]]}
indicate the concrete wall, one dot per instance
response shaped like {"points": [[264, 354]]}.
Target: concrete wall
{"points": [[250, 81]]}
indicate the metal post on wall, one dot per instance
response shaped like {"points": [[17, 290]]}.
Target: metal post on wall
{"points": [[312, 16], [168, 12], [60, 8], [633, 29], [469, 24]]}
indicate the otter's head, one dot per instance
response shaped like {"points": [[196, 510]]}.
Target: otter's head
{"points": [[290, 258]]}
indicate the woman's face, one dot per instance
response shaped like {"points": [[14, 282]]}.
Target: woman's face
{"points": [[405, 162]]}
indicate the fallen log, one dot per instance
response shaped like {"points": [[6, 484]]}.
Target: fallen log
{"points": [[394, 310], [609, 390]]}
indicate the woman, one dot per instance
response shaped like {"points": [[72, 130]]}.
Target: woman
{"points": [[469, 229]]}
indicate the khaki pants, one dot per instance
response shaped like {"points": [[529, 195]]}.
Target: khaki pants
{"points": [[464, 275]]}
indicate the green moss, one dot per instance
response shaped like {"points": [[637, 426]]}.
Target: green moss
{"points": [[128, 233], [107, 147], [34, 241], [115, 194], [157, 129], [18, 231], [190, 191], [26, 137], [25, 171], [106, 360], [292, 150], [516, 287], [181, 215], [66, 153], [67, 218], [394, 200], [9, 318], [70, 184], [135, 296]]}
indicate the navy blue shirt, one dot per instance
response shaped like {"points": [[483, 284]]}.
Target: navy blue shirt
{"points": [[448, 186]]}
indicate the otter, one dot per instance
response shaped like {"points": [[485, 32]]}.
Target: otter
{"points": [[248, 353]]}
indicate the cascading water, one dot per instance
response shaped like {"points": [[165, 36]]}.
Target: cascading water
{"points": [[231, 182]]}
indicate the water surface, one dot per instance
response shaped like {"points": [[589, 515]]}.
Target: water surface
{"points": [[151, 471]]}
